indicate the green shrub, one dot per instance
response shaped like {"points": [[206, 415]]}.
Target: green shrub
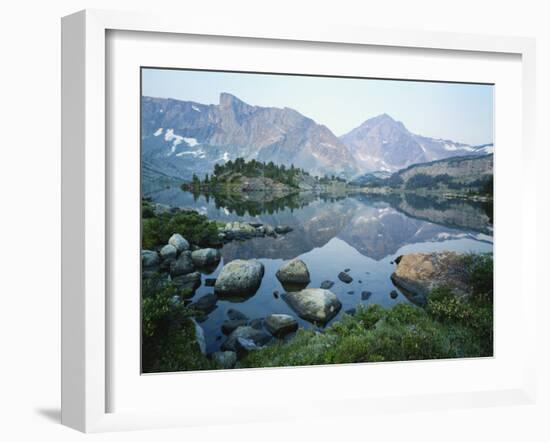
{"points": [[168, 333]]}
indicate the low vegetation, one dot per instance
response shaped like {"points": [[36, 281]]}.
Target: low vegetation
{"points": [[168, 332], [157, 228]]}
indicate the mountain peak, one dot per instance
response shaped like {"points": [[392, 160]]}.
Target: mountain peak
{"points": [[227, 99]]}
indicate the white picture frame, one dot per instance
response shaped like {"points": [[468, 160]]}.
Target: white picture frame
{"points": [[85, 198]]}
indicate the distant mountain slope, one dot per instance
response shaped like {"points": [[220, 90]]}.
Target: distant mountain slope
{"points": [[465, 169], [381, 143], [180, 138], [466, 173]]}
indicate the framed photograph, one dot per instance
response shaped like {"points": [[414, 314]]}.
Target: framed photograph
{"points": [[292, 222]]}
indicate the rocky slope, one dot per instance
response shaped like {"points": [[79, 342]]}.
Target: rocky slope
{"points": [[180, 138], [382, 143]]}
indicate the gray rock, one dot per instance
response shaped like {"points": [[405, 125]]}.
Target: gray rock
{"points": [[327, 284], [344, 277], [241, 230], [239, 277], [149, 258], [246, 338], [257, 323], [294, 271], [168, 252], [206, 257], [236, 314], [179, 242], [182, 265], [225, 359], [394, 294], [199, 336], [280, 325], [314, 305], [232, 324], [190, 281]]}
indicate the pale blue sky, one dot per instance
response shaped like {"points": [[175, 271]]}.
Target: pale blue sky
{"points": [[460, 112]]}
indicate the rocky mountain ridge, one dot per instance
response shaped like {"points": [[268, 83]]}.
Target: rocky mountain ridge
{"points": [[182, 138]]}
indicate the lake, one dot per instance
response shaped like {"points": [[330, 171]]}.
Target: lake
{"points": [[360, 232]]}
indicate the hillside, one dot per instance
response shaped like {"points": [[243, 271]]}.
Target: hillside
{"points": [[472, 174]]}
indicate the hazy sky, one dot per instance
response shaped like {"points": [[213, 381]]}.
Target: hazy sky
{"points": [[459, 112]]}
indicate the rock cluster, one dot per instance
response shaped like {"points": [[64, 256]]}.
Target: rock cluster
{"points": [[240, 230]]}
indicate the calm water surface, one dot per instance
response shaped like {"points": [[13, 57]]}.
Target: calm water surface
{"points": [[359, 232]]}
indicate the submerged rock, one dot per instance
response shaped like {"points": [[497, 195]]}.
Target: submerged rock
{"points": [[205, 257], [280, 325], [225, 359], [233, 313], [420, 273], [182, 265], [344, 277], [365, 295], [394, 294], [149, 258], [179, 242], [232, 324], [191, 281], [239, 277], [314, 305], [205, 304], [294, 271], [257, 323], [327, 284]]}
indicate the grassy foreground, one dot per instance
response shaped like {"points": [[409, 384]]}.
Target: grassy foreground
{"points": [[447, 327]]}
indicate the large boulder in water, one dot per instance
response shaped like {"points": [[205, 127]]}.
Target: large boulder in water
{"points": [[294, 271], [206, 257], [239, 277], [419, 273], [314, 305]]}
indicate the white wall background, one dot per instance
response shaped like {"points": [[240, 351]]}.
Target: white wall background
{"points": [[30, 219]]}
